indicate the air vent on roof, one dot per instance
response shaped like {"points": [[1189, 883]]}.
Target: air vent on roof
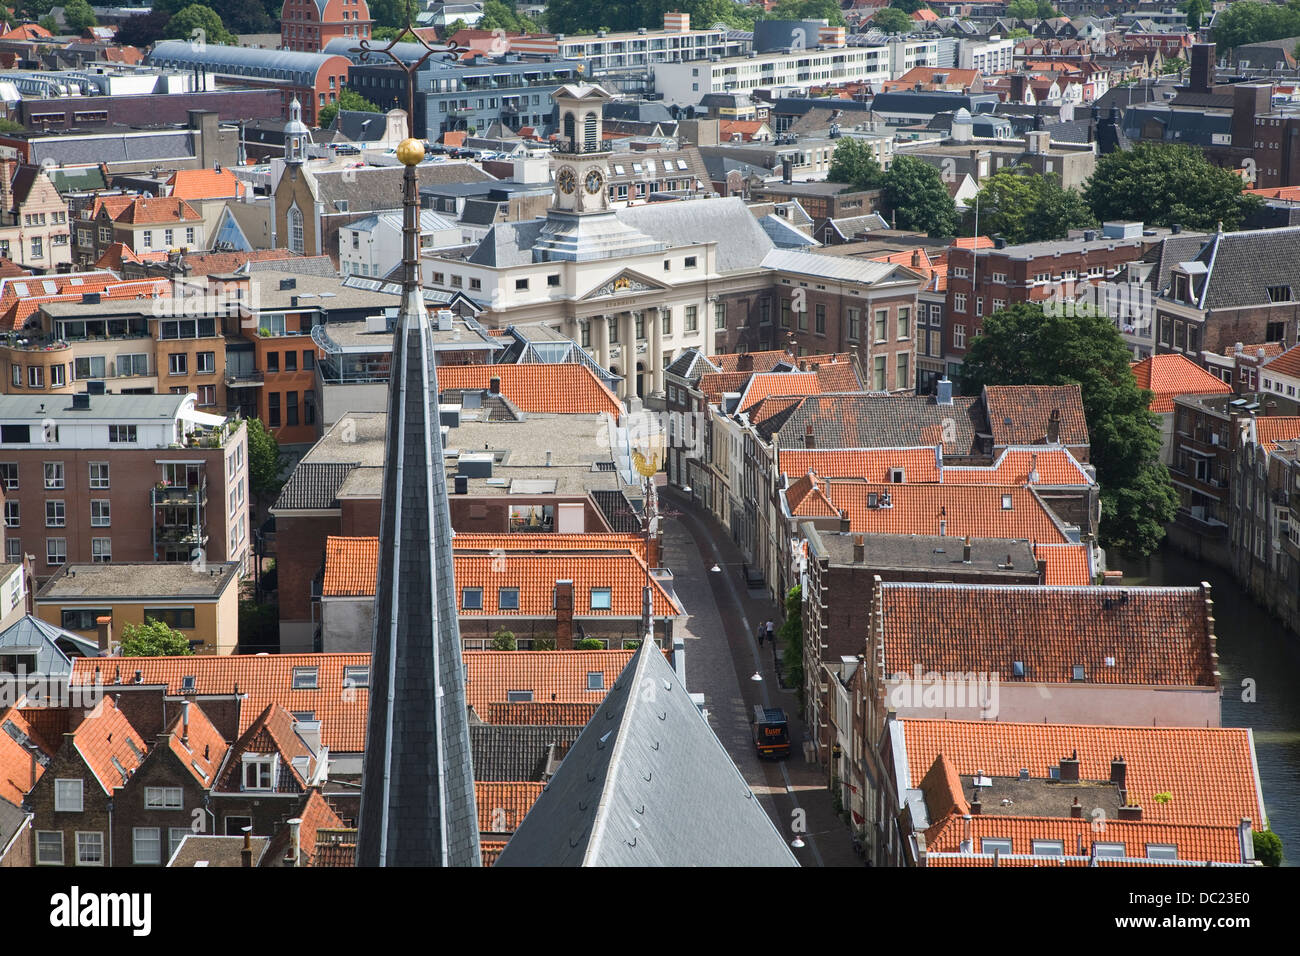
{"points": [[89, 298], [81, 400], [288, 284]]}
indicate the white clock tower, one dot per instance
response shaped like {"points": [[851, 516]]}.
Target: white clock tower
{"points": [[581, 164]]}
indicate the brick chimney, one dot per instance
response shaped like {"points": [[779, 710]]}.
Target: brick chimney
{"points": [[859, 549], [1019, 83], [1070, 768], [1118, 771], [564, 615], [1076, 811], [809, 439], [652, 551], [246, 854], [494, 385], [1130, 813], [1054, 427], [845, 524], [104, 625], [1200, 78], [745, 362], [7, 167]]}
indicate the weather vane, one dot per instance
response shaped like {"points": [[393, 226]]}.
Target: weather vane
{"points": [[449, 49]]}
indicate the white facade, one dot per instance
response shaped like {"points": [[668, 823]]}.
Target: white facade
{"points": [[994, 55], [684, 84], [373, 246], [906, 53]]}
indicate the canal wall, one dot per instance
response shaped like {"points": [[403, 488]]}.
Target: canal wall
{"points": [[1213, 551]]}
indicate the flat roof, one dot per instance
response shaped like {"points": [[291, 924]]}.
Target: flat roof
{"points": [[139, 582], [102, 407]]}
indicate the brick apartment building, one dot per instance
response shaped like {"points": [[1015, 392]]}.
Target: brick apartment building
{"points": [[135, 478], [308, 25]]}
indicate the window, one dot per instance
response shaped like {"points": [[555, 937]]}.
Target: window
{"points": [[36, 376], [904, 321], [305, 678], [12, 517], [692, 318], [690, 262], [258, 771], [1162, 851], [207, 394], [273, 361], [13, 550], [959, 302], [989, 845], [169, 237], [356, 677], [667, 316], [719, 316], [162, 798], [595, 680], [291, 361], [205, 362], [296, 243], [136, 363], [959, 336], [100, 513], [308, 360], [471, 599], [1006, 502], [49, 847], [1279, 293], [57, 379], [508, 599], [519, 696], [177, 363], [181, 618], [90, 848], [1000, 278], [146, 846], [820, 321], [101, 550], [17, 371], [98, 474], [1108, 849], [600, 599], [878, 373], [122, 434], [67, 796], [38, 247], [55, 514], [1048, 848], [851, 319], [83, 618], [902, 380], [882, 322], [291, 408], [174, 837], [273, 409]]}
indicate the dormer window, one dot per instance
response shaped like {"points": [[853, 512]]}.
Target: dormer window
{"points": [[1181, 287], [305, 678], [1006, 502], [259, 772], [601, 599]]}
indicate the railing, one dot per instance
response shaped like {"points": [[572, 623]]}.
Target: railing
{"points": [[180, 534], [238, 377], [179, 495]]}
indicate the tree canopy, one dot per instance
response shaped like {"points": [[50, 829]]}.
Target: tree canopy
{"points": [[503, 16], [892, 20], [265, 462], [1026, 345], [153, 639], [348, 100], [1248, 21], [1161, 184], [916, 196], [1031, 9], [855, 164], [1195, 10], [77, 16], [575, 17], [196, 17], [908, 6], [1023, 206]]}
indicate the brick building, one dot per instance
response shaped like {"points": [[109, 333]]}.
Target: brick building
{"points": [[308, 25]]}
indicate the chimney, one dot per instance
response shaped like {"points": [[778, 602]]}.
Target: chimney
{"points": [[1246, 841], [652, 551], [104, 625], [564, 615], [787, 169], [295, 841], [1042, 570], [246, 854], [1200, 78], [844, 522], [976, 807], [1070, 768], [745, 362], [185, 722], [7, 166], [965, 551], [462, 484], [1076, 811], [859, 549], [1017, 89], [809, 439], [1054, 427], [943, 392], [1130, 813], [1118, 771], [494, 385], [916, 258], [1033, 468]]}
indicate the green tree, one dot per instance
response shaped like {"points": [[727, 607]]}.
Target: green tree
{"points": [[265, 462], [1195, 10], [892, 20], [10, 126], [588, 644], [498, 15], [48, 22], [1023, 206], [350, 100], [1174, 64], [391, 13], [1248, 21], [908, 6], [196, 16], [1025, 345], [153, 639], [77, 16], [143, 29], [453, 28], [914, 192], [855, 164], [1018, 33], [387, 34], [792, 641], [1268, 847], [504, 640], [1162, 184], [828, 10], [1023, 9]]}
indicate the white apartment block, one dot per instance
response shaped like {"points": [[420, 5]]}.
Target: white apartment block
{"points": [[989, 56], [906, 53], [676, 43], [683, 84]]}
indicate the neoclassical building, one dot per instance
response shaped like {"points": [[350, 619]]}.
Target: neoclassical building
{"points": [[633, 285]]}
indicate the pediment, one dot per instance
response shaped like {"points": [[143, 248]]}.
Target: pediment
{"points": [[624, 282]]}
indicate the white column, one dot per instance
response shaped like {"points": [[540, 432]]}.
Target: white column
{"points": [[656, 349], [627, 344]]}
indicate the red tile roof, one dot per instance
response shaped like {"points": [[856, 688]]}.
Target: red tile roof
{"points": [[315, 815], [106, 741], [1171, 375], [713, 385], [1272, 429], [1284, 363], [271, 733], [1055, 466], [778, 383], [542, 713], [1269, 348], [19, 770], [1019, 414], [1067, 564], [503, 806], [206, 184], [561, 388], [871, 464], [973, 242], [202, 749], [465, 542], [150, 210], [806, 498], [351, 566], [550, 675], [1208, 772], [21, 297], [974, 510], [1147, 636]]}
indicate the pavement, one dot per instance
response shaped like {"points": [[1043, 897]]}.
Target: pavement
{"points": [[719, 628]]}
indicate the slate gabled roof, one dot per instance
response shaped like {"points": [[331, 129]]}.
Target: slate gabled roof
{"points": [[865, 420], [647, 784], [504, 752], [1244, 265], [313, 485], [1138, 636]]}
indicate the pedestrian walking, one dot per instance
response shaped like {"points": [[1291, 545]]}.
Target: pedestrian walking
{"points": [[770, 632], [761, 631]]}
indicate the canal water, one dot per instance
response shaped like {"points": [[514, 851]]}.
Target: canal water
{"points": [[1253, 647]]}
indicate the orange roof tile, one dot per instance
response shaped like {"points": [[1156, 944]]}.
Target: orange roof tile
{"points": [[1019, 414], [713, 385], [563, 388], [973, 242], [1270, 348], [1208, 772], [778, 383], [974, 510], [1287, 193], [550, 675], [146, 210], [351, 567], [202, 749], [524, 541], [490, 850], [1067, 564], [1171, 375], [1146, 636], [19, 768], [206, 184], [109, 745], [451, 138], [1272, 429], [21, 297], [315, 815], [271, 733], [806, 498], [502, 806], [545, 713], [1285, 363], [871, 464], [1055, 466]]}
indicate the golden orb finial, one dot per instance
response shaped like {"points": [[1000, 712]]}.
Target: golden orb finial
{"points": [[410, 152]]}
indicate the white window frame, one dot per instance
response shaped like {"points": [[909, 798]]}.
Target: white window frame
{"points": [[151, 834], [99, 836], [164, 798], [49, 833], [264, 765]]}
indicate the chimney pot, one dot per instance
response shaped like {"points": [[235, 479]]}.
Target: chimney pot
{"points": [[1070, 768], [1076, 811], [859, 549], [1130, 813], [1118, 771]]}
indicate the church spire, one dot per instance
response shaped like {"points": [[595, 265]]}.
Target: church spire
{"points": [[417, 796]]}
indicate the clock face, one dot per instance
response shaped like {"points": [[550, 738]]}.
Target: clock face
{"points": [[594, 181], [567, 179]]}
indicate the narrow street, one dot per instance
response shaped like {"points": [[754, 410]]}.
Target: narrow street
{"points": [[722, 654]]}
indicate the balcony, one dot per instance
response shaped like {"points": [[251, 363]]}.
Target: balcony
{"points": [[180, 534], [179, 496], [245, 378], [33, 342]]}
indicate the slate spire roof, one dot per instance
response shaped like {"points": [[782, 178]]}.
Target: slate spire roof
{"points": [[417, 797], [647, 784]]}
